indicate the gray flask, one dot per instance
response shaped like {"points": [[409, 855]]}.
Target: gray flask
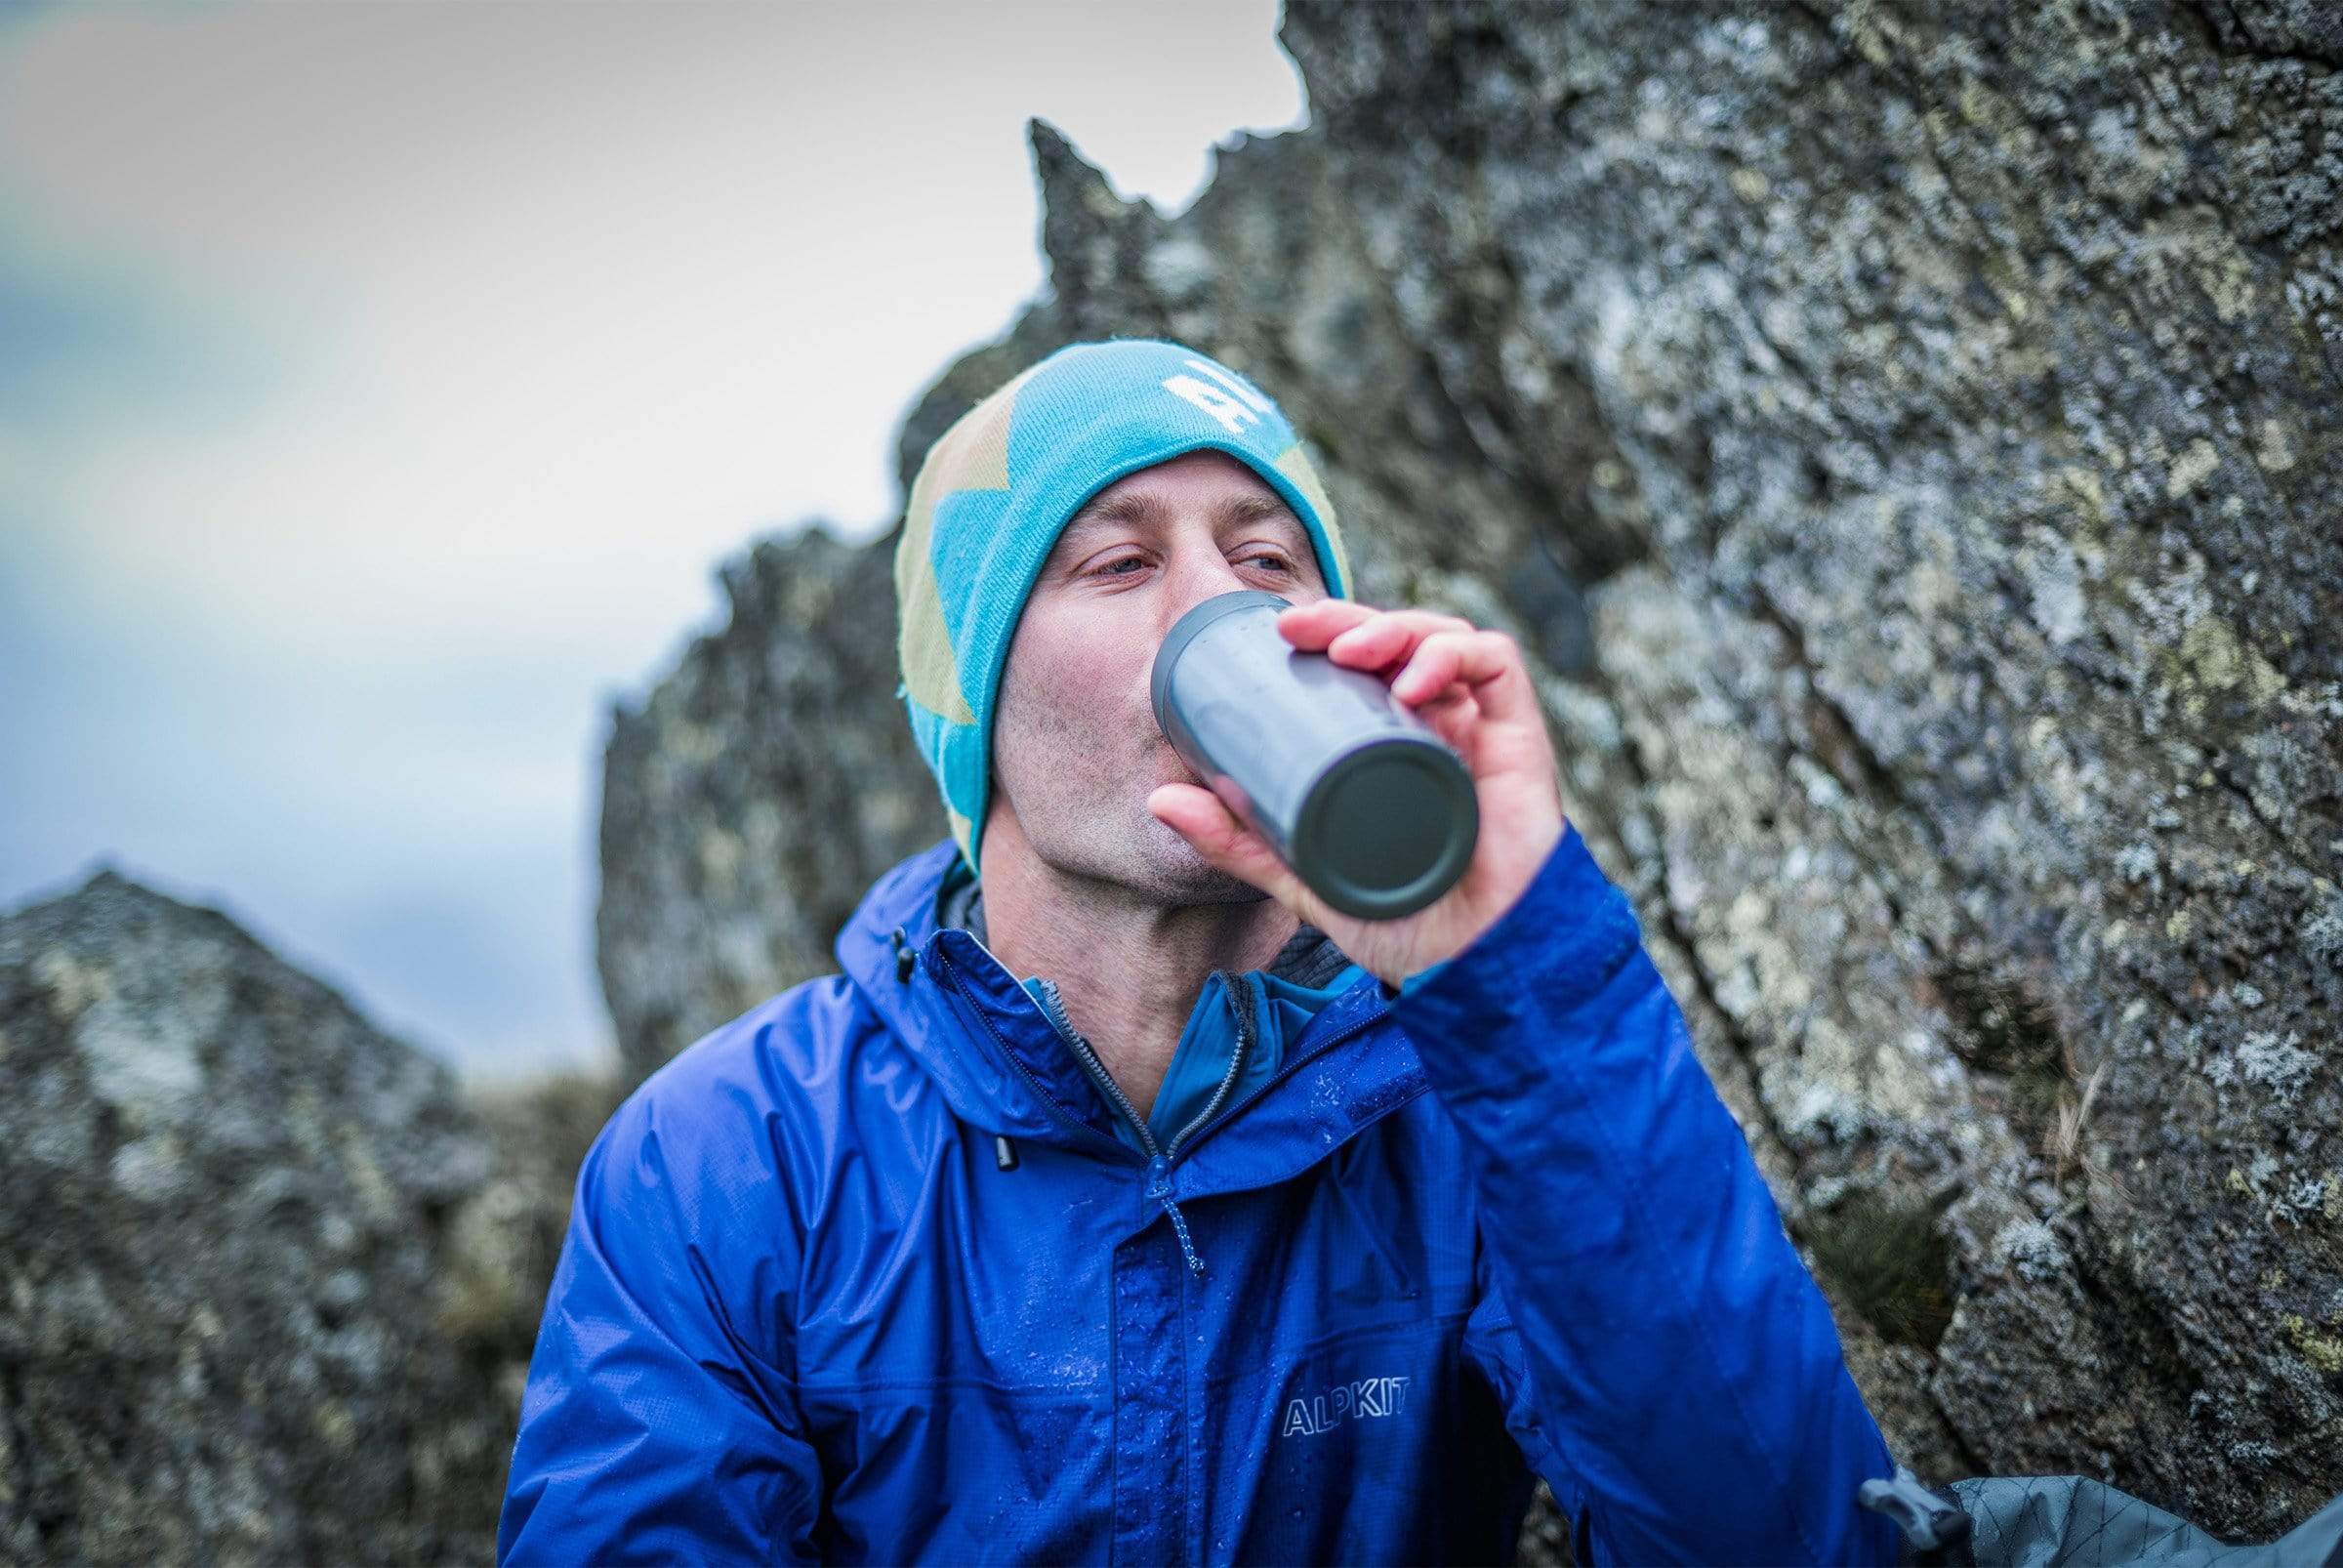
{"points": [[1371, 808]]}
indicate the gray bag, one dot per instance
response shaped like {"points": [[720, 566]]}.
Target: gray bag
{"points": [[2066, 1521]]}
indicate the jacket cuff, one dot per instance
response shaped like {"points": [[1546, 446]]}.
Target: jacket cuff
{"points": [[1417, 981]]}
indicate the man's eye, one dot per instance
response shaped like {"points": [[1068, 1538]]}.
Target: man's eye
{"points": [[1114, 568]]}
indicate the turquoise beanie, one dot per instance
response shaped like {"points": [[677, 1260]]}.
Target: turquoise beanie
{"points": [[997, 490]]}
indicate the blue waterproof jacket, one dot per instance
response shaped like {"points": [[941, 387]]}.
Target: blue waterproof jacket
{"points": [[1497, 1224]]}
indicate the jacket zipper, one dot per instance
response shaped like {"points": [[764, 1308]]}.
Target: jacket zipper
{"points": [[1228, 1078], [1054, 1008], [1159, 1164], [1041, 1096], [1288, 1068]]}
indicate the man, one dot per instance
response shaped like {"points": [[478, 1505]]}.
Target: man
{"points": [[1121, 1201]]}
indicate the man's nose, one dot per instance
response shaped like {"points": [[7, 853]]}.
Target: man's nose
{"points": [[1194, 576]]}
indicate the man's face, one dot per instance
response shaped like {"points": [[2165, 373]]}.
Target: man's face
{"points": [[1076, 751]]}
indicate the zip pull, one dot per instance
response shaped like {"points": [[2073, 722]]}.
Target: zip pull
{"points": [[1159, 1187], [1004, 1153]]}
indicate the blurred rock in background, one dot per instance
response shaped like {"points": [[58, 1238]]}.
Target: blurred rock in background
{"points": [[1905, 437], [748, 800], [225, 1262], [268, 1284]]}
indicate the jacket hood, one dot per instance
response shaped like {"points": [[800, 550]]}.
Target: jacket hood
{"points": [[966, 1018]]}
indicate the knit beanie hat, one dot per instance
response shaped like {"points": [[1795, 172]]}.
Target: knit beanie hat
{"points": [[997, 490]]}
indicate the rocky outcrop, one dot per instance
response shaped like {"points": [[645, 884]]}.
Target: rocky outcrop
{"points": [[1973, 387], [747, 803], [228, 1318], [1906, 437]]}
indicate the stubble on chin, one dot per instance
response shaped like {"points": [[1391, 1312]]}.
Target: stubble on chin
{"points": [[1143, 856], [1180, 875]]}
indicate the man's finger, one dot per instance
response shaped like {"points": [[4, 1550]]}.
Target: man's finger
{"points": [[1312, 627], [1488, 662], [1453, 716], [1390, 637]]}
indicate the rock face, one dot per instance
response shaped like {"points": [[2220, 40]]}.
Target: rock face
{"points": [[225, 1257], [1906, 437], [746, 803]]}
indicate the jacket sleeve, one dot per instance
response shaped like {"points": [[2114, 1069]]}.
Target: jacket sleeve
{"points": [[656, 1426], [1664, 1357]]}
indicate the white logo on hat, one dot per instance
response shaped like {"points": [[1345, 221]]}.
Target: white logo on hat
{"points": [[1225, 398]]}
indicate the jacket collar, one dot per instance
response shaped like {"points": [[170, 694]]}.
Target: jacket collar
{"points": [[889, 950], [1003, 1069]]}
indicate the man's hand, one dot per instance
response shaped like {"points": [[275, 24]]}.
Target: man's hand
{"points": [[1471, 687]]}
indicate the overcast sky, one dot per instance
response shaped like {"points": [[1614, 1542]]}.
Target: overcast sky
{"points": [[380, 384]]}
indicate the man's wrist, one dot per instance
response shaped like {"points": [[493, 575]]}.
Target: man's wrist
{"points": [[1571, 928]]}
